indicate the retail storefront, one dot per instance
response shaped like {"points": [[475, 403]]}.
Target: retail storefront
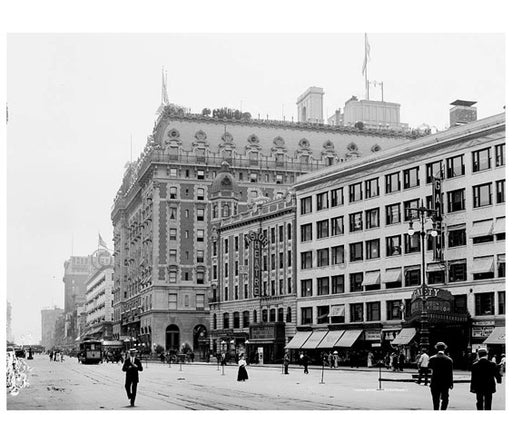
{"points": [[266, 342]]}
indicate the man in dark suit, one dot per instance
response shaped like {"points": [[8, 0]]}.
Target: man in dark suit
{"points": [[132, 366], [484, 375], [442, 377]]}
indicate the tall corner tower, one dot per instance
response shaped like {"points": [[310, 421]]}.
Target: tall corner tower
{"points": [[310, 106]]}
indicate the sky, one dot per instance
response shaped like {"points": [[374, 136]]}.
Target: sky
{"points": [[77, 102]]}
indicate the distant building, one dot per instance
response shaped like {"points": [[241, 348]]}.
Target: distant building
{"points": [[49, 317], [99, 299], [310, 106]]}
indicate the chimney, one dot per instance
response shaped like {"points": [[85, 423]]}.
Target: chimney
{"points": [[462, 112]]}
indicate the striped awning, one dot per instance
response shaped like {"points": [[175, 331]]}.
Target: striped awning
{"points": [[497, 336], [482, 265], [481, 228], [348, 338], [392, 275], [371, 278], [298, 340], [330, 339], [499, 226], [404, 337], [314, 340]]}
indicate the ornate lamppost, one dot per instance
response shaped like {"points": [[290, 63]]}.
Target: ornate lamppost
{"points": [[424, 214]]}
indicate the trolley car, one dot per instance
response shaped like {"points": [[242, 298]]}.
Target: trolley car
{"points": [[90, 352]]}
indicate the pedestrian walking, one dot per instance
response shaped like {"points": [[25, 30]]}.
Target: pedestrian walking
{"points": [[442, 377], [51, 355], [242, 371], [369, 359], [305, 362], [286, 362], [62, 356], [394, 361], [132, 366], [423, 367], [331, 360], [336, 358], [502, 364], [223, 361], [401, 361], [387, 360], [484, 376], [162, 357]]}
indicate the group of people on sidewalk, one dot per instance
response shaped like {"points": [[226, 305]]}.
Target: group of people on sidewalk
{"points": [[484, 376]]}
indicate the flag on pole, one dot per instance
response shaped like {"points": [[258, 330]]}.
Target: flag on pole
{"points": [[101, 242], [366, 53]]}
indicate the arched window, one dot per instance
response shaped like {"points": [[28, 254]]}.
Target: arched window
{"points": [[225, 321], [264, 316], [289, 315], [255, 316], [226, 211], [173, 192], [214, 321], [200, 193], [272, 315], [245, 319], [280, 314], [215, 211], [236, 320]]}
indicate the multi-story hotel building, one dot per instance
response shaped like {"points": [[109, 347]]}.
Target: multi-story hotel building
{"points": [[99, 311], [253, 298], [358, 267], [160, 215]]}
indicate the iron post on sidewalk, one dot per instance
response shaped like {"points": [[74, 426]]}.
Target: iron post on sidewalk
{"points": [[380, 376], [323, 365]]}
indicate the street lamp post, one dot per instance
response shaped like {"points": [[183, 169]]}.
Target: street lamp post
{"points": [[423, 213]]}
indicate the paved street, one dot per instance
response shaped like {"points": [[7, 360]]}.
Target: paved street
{"points": [[69, 385]]}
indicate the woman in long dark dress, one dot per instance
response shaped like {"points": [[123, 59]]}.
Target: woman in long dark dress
{"points": [[242, 372]]}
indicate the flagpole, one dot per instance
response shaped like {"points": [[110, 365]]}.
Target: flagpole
{"points": [[366, 57]]}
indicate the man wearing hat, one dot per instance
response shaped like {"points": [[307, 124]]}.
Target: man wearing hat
{"points": [[442, 376], [484, 375], [132, 366]]}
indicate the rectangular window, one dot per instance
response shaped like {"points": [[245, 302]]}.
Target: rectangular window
{"points": [[200, 277], [356, 282], [281, 260], [306, 288], [322, 285], [373, 218], [200, 194], [306, 232], [455, 166], [173, 173], [306, 316], [501, 265], [273, 262], [281, 233], [173, 276], [392, 182], [273, 235], [371, 188], [288, 258], [500, 191], [456, 200], [226, 245], [456, 237], [338, 284], [393, 214], [372, 249], [355, 192], [482, 195], [200, 256], [500, 154], [356, 312], [172, 303], [484, 303], [322, 257], [457, 271], [322, 314], [200, 174], [394, 310], [322, 201], [435, 277], [412, 177], [173, 192], [200, 214], [253, 177], [172, 255], [393, 245], [356, 251], [172, 234], [322, 229], [279, 179], [355, 221], [412, 277], [411, 204], [337, 255], [412, 243], [433, 170], [482, 159], [501, 303], [336, 197], [306, 205], [337, 225], [214, 271], [373, 311]]}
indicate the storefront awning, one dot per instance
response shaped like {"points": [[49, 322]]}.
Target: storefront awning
{"points": [[330, 339], [337, 311], [482, 265], [499, 226], [497, 336], [348, 338], [404, 337], [298, 340], [432, 267], [481, 229], [371, 278], [314, 340], [392, 275]]}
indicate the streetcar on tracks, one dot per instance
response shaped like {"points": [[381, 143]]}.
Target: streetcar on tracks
{"points": [[90, 352]]}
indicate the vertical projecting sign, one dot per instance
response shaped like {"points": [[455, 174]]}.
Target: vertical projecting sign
{"points": [[258, 240], [437, 218]]}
